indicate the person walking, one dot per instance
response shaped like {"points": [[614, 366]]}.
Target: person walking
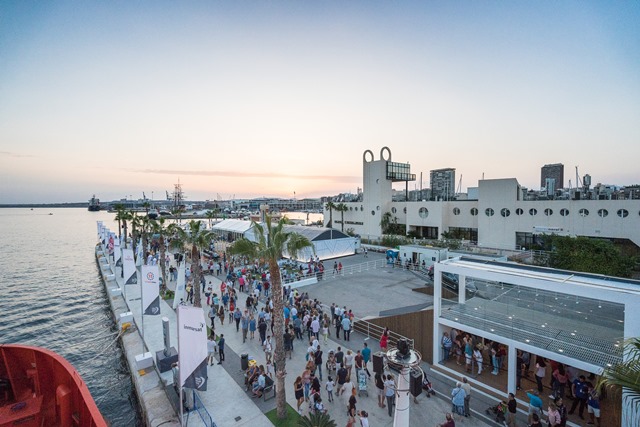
{"points": [[457, 399], [390, 393], [467, 398], [221, 349], [512, 409], [346, 327], [379, 380], [366, 356], [211, 349], [244, 320]]}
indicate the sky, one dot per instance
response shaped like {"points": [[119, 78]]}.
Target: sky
{"points": [[281, 98]]}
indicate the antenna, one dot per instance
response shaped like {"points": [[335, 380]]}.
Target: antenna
{"points": [[459, 185]]}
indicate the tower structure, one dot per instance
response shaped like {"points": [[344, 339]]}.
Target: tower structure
{"points": [[553, 171]]}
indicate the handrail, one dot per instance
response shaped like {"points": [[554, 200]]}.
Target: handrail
{"points": [[199, 408], [371, 330]]}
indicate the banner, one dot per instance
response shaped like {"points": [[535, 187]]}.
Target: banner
{"points": [[150, 290], [192, 348], [117, 254], [139, 254], [180, 286], [130, 273], [98, 227], [111, 244]]}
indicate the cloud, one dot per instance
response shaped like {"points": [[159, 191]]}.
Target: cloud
{"points": [[239, 174], [12, 154]]}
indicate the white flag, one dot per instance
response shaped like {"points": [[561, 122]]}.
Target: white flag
{"points": [[130, 273], [180, 286], [192, 347], [150, 290]]}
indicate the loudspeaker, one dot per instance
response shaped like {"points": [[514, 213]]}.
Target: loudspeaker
{"points": [[415, 382], [378, 362]]}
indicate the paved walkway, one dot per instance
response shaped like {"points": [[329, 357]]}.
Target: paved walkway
{"points": [[365, 293]]}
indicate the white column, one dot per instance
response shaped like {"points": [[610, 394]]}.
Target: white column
{"points": [[462, 289], [401, 415], [437, 307], [512, 362]]}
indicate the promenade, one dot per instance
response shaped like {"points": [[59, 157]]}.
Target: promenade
{"points": [[367, 293]]}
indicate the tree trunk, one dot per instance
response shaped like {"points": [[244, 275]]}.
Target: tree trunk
{"points": [[197, 273], [163, 264], [278, 331], [342, 218]]}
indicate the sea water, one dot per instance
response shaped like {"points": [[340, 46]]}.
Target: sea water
{"points": [[51, 296]]}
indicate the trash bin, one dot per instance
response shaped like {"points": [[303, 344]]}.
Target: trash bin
{"points": [[244, 361]]}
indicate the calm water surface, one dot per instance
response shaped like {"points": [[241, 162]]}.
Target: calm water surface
{"points": [[51, 296]]}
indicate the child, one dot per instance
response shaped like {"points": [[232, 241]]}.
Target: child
{"points": [[325, 332], [319, 407], [477, 355], [329, 386]]}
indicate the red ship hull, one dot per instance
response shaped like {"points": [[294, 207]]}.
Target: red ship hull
{"points": [[40, 388]]}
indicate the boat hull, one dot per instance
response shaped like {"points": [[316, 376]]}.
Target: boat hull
{"points": [[39, 387]]}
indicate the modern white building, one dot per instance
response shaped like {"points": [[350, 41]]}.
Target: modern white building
{"points": [[578, 319], [494, 215]]}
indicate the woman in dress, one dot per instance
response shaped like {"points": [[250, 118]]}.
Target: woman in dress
{"points": [[299, 392], [384, 340]]}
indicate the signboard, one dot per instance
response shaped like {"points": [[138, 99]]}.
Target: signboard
{"points": [[150, 290], [192, 348]]}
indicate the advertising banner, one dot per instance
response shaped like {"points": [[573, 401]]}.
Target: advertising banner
{"points": [[117, 254], [130, 273], [139, 254], [192, 348], [180, 286], [111, 244], [150, 290]]}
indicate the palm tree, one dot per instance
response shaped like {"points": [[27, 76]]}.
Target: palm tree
{"points": [[272, 242], [121, 216], [146, 205], [316, 419], [342, 208], [195, 238], [210, 215], [136, 226], [626, 374], [385, 222], [158, 227], [331, 206]]}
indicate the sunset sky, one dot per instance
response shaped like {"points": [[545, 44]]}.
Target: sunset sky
{"points": [[269, 98]]}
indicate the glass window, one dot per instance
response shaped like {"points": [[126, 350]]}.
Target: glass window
{"points": [[602, 213], [423, 212], [456, 211], [623, 213], [393, 210], [519, 211], [548, 212], [373, 212], [474, 211], [505, 212], [583, 212], [533, 212], [404, 209], [564, 212], [489, 212]]}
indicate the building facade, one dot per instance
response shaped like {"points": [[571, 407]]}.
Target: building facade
{"points": [[554, 172], [498, 217]]}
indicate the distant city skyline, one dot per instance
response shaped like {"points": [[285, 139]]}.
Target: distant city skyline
{"points": [[266, 99]]}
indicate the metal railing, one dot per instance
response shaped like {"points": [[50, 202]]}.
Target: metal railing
{"points": [[200, 409], [371, 330]]}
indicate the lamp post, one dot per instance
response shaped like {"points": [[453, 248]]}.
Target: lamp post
{"points": [[404, 359]]}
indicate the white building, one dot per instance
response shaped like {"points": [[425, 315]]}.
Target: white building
{"points": [[578, 319], [498, 217]]}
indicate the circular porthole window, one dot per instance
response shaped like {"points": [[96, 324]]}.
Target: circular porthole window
{"points": [[373, 212], [474, 211], [564, 212], [533, 212], [489, 212], [602, 213], [377, 208], [548, 212], [393, 210], [623, 213], [350, 208], [519, 211], [583, 212], [423, 212], [404, 210], [456, 211], [505, 212]]}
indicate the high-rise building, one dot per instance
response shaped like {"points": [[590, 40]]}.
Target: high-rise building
{"points": [[443, 183], [555, 172]]}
